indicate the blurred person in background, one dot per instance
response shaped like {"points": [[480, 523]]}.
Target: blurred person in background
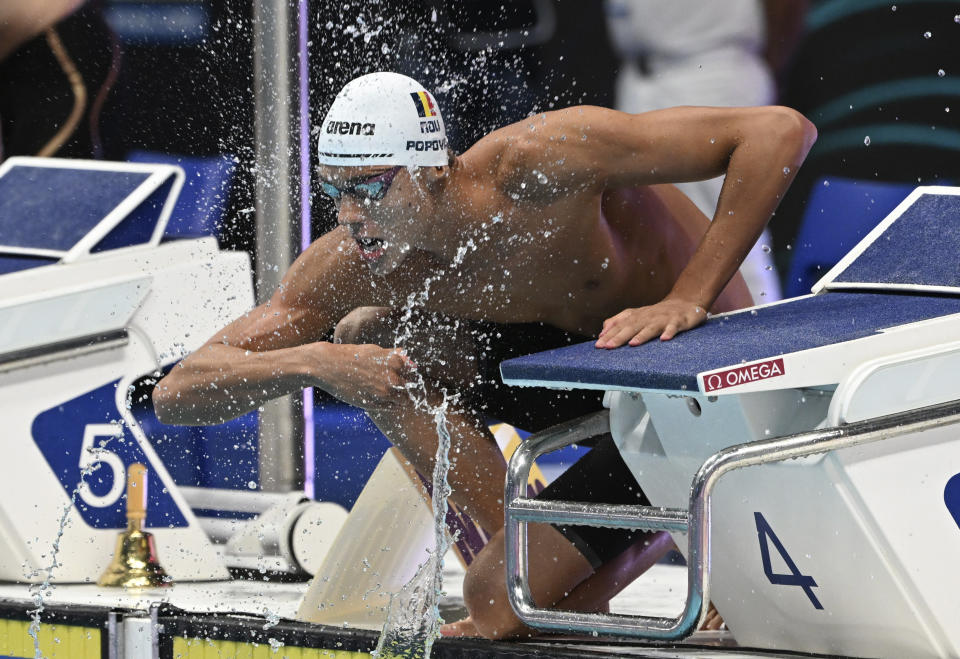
{"points": [[58, 63], [706, 53]]}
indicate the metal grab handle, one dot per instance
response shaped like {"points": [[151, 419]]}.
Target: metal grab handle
{"points": [[519, 511], [599, 514]]}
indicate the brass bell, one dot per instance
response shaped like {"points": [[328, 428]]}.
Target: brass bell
{"points": [[135, 563]]}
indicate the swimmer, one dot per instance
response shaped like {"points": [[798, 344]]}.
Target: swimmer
{"points": [[555, 229]]}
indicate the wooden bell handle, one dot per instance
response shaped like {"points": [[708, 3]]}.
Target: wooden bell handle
{"points": [[137, 491]]}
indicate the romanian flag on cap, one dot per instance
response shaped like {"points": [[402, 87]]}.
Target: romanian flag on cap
{"points": [[424, 103]]}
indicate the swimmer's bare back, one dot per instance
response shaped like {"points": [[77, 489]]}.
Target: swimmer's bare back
{"points": [[566, 218], [636, 256], [570, 218]]}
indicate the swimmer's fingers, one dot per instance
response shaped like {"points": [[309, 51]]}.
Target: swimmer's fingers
{"points": [[401, 370], [665, 319], [670, 332], [372, 377], [625, 325]]}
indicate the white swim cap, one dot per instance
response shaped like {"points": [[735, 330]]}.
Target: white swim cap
{"points": [[383, 119]]}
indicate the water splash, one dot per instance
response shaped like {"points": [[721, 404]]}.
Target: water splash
{"points": [[44, 589], [413, 616]]}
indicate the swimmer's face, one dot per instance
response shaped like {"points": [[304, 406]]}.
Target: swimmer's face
{"points": [[379, 208]]}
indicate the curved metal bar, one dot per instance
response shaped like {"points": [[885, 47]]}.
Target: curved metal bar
{"points": [[599, 514], [519, 511], [518, 473], [792, 447]]}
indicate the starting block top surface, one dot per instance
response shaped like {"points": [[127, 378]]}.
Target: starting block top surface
{"points": [[906, 271], [53, 208], [744, 337], [915, 248], [66, 209]]}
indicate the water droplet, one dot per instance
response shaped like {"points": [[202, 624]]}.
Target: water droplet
{"points": [[826, 184], [766, 249], [753, 312], [866, 140], [786, 170], [713, 140], [252, 485], [941, 73]]}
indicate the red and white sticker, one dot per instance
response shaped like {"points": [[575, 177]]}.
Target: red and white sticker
{"points": [[743, 375]]}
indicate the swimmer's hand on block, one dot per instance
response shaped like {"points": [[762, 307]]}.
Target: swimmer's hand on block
{"points": [[665, 319]]}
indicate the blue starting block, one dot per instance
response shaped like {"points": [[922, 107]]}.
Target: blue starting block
{"points": [[59, 210], [91, 302], [847, 551]]}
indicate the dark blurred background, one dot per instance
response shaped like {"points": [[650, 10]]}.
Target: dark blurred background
{"points": [[174, 79], [177, 77]]}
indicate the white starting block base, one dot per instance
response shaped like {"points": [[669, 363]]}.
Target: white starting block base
{"points": [[91, 302], [845, 521], [850, 553]]}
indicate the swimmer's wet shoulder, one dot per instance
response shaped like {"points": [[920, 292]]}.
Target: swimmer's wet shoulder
{"points": [[575, 202], [582, 152]]}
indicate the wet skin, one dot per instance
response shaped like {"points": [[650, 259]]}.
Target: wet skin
{"points": [[589, 237], [579, 240], [571, 262]]}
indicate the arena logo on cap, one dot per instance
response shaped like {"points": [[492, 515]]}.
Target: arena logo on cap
{"points": [[350, 128], [743, 375], [424, 103]]}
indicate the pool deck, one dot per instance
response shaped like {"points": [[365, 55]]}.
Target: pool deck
{"points": [[265, 610]]}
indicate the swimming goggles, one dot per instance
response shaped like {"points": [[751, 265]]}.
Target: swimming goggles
{"points": [[373, 188]]}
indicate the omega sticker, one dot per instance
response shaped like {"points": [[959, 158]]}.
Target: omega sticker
{"points": [[743, 375]]}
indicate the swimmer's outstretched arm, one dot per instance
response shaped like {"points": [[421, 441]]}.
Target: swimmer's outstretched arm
{"points": [[759, 149], [276, 349]]}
